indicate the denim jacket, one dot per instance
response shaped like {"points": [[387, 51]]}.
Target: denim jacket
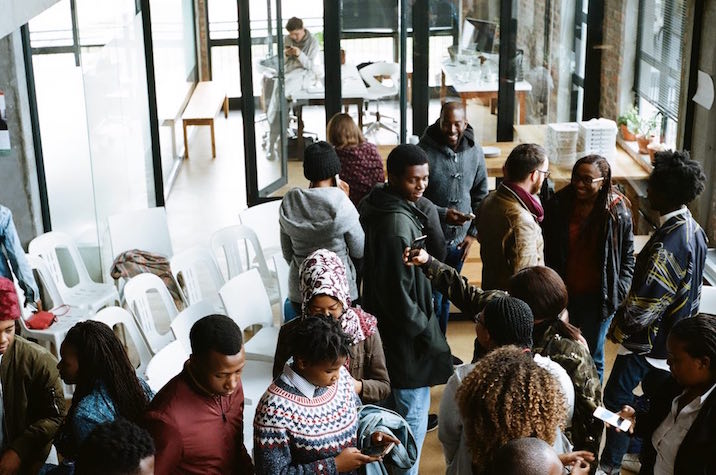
{"points": [[12, 257]]}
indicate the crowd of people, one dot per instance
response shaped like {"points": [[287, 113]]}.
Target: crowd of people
{"points": [[375, 261]]}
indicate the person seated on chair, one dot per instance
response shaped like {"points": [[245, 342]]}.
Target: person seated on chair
{"points": [[116, 448], [33, 403], [324, 287], [107, 387], [301, 49], [197, 419]]}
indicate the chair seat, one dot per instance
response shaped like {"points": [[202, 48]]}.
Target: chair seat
{"points": [[256, 377], [379, 92], [93, 296], [262, 346]]}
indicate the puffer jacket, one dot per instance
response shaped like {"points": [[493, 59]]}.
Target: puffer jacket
{"points": [[617, 256], [33, 402], [510, 238]]}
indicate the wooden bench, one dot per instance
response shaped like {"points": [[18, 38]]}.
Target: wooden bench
{"points": [[206, 101]]}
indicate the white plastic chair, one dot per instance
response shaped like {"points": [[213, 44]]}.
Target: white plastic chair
{"points": [[226, 245], [135, 293], [263, 220], [166, 364], [112, 316], [255, 379], [247, 303], [53, 336], [192, 268], [708, 299], [86, 293], [282, 272], [144, 229], [182, 323], [376, 90]]}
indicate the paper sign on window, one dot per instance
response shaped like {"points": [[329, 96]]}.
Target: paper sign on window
{"points": [[4, 132]]}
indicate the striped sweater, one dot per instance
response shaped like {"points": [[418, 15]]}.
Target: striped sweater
{"points": [[294, 434]]}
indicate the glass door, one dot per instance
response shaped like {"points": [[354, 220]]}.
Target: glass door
{"points": [[264, 103]]}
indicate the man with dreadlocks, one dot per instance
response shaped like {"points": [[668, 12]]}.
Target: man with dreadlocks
{"points": [[589, 241], [666, 288]]}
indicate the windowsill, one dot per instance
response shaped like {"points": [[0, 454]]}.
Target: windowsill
{"points": [[632, 149]]}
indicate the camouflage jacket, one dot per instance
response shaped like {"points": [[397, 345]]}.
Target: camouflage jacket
{"points": [[468, 298], [586, 430]]}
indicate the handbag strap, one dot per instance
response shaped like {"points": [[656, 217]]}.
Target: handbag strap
{"points": [[60, 310]]}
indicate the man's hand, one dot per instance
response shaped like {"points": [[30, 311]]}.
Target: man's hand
{"points": [[415, 257], [453, 216], [628, 413], [466, 245], [10, 463], [292, 51], [574, 458]]}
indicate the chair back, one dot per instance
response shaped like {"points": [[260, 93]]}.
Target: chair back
{"points": [[263, 220], [226, 245], [135, 293], [707, 304], [246, 301], [112, 316], [48, 282], [182, 323], [372, 72], [282, 271], [144, 229], [166, 364], [193, 267], [46, 246]]}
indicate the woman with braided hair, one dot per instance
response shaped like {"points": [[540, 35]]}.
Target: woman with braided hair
{"points": [[507, 396], [107, 387]]}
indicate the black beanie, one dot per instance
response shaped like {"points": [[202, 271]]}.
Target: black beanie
{"points": [[320, 162], [509, 322]]}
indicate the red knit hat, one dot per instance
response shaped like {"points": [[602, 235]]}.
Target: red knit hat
{"points": [[9, 305]]}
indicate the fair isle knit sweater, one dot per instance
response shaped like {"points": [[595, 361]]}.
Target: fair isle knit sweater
{"points": [[297, 434]]}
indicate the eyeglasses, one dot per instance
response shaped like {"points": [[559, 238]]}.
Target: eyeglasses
{"points": [[586, 180], [544, 172]]}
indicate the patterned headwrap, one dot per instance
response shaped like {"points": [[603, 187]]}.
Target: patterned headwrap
{"points": [[323, 273]]}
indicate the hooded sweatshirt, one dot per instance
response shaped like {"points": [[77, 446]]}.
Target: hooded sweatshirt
{"points": [[319, 218], [400, 296]]}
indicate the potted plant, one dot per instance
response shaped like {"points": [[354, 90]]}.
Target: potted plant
{"points": [[629, 124], [645, 132]]}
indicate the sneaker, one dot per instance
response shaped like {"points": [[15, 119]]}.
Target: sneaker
{"points": [[432, 422], [631, 462], [456, 361]]}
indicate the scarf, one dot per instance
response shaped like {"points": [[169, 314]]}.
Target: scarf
{"points": [[323, 273], [531, 202]]}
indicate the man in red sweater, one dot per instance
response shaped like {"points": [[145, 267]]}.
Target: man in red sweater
{"points": [[197, 419]]}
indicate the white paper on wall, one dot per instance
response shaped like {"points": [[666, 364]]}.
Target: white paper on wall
{"points": [[704, 91]]}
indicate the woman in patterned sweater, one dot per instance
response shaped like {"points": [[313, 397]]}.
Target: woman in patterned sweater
{"points": [[361, 165], [306, 421]]}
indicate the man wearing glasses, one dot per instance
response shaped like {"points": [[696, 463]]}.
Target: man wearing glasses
{"points": [[508, 229]]}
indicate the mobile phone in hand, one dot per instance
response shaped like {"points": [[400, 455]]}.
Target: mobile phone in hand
{"points": [[469, 216], [378, 450], [614, 420], [418, 243]]}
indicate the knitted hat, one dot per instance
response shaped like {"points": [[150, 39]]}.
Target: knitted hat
{"points": [[320, 162], [9, 305], [509, 321]]}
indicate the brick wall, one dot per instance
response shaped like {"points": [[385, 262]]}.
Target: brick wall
{"points": [[618, 56], [202, 43]]}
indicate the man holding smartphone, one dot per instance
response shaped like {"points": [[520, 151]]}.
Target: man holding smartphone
{"points": [[458, 183]]}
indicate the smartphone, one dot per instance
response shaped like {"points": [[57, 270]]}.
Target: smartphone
{"points": [[337, 180], [612, 419], [418, 243], [378, 450], [469, 215]]}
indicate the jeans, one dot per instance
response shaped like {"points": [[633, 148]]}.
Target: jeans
{"points": [[585, 312], [627, 373], [413, 405], [441, 303]]}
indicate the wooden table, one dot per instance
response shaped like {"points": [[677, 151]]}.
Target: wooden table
{"points": [[353, 91], [485, 91]]}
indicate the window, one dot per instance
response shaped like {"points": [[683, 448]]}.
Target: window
{"points": [[659, 62]]}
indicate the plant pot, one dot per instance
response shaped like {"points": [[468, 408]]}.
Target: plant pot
{"points": [[653, 148], [626, 134], [643, 141]]}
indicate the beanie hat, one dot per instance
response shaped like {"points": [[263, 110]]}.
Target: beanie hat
{"points": [[9, 305], [320, 161], [509, 322]]}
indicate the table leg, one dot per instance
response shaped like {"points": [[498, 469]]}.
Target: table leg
{"points": [[443, 88], [360, 114], [186, 143], [523, 109], [464, 101], [213, 143], [300, 143], [226, 107]]}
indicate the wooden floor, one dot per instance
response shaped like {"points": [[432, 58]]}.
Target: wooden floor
{"points": [[208, 195]]}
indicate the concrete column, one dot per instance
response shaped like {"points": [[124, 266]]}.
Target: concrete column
{"points": [[18, 175]]}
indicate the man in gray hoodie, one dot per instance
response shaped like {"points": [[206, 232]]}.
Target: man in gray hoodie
{"points": [[458, 183], [320, 217]]}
